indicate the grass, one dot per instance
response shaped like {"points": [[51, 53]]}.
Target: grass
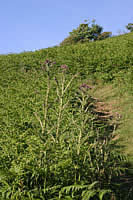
{"points": [[126, 128], [121, 106]]}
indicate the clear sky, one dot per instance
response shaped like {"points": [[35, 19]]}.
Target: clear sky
{"points": [[28, 25]]}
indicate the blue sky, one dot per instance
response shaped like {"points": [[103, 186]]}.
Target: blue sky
{"points": [[28, 25]]}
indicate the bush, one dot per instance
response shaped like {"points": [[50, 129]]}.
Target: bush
{"points": [[85, 32], [130, 27]]}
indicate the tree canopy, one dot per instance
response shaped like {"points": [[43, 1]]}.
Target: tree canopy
{"points": [[87, 31], [130, 27]]}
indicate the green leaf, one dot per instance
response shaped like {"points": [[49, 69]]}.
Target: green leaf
{"points": [[86, 195], [102, 193]]}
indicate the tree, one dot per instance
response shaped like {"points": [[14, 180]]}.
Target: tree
{"points": [[130, 27], [87, 31]]}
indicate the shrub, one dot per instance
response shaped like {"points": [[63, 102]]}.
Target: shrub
{"points": [[130, 27], [84, 32]]}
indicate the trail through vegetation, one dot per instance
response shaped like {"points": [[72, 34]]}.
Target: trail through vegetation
{"points": [[66, 122]]}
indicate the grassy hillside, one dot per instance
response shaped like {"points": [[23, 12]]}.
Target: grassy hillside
{"points": [[47, 115], [105, 58]]}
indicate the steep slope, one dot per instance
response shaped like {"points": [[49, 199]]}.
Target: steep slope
{"points": [[105, 72]]}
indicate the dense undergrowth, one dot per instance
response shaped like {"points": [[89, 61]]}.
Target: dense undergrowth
{"points": [[53, 143]]}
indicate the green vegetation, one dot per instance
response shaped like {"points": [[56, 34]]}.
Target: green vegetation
{"points": [[130, 27], [86, 32], [56, 141]]}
